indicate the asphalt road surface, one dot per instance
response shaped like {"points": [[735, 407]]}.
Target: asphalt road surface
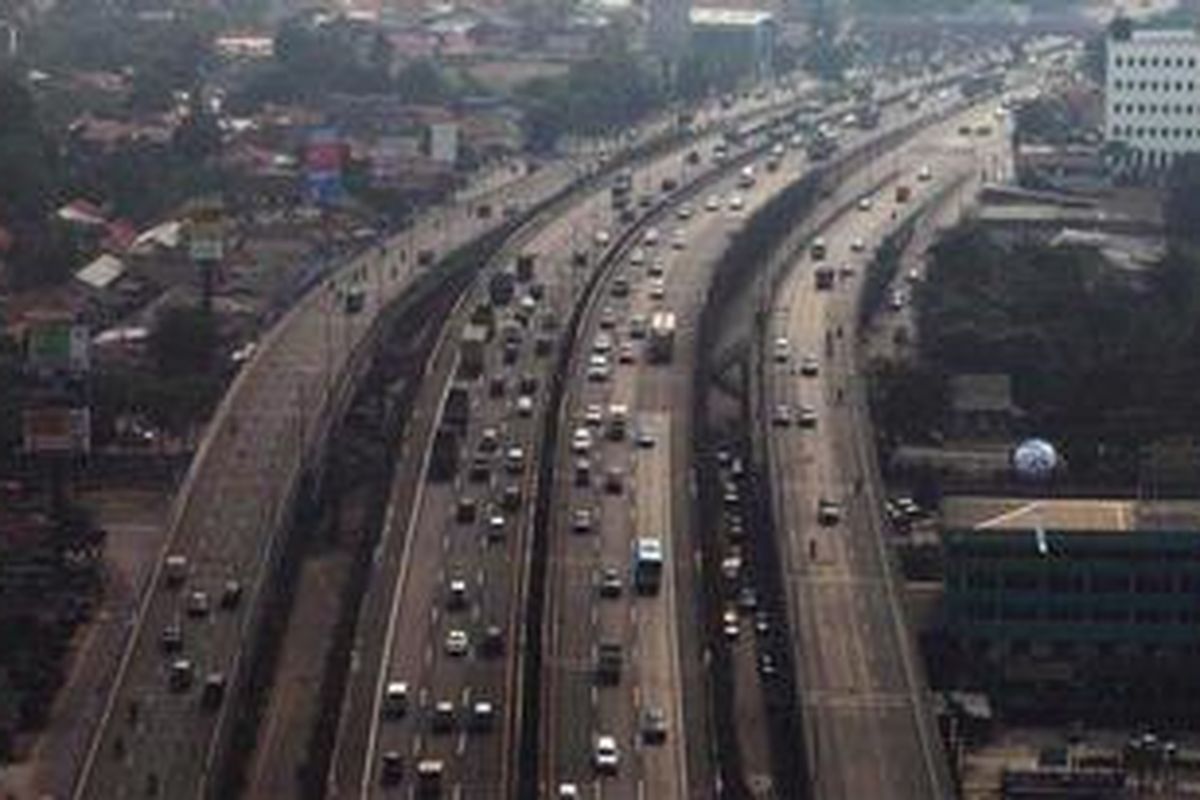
{"points": [[868, 733]]}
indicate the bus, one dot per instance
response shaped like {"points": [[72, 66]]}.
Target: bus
{"points": [[647, 565]]}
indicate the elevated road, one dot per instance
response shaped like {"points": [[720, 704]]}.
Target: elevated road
{"points": [[868, 730]]}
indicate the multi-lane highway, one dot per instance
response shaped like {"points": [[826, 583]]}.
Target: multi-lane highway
{"points": [[866, 723], [444, 619], [155, 736]]}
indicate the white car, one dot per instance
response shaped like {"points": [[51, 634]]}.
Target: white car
{"points": [[857, 246], [525, 406], [598, 368], [637, 257], [782, 350], [603, 343], [925, 173], [808, 417], [658, 289], [607, 757], [457, 642], [593, 415], [651, 237], [864, 204], [581, 441], [736, 203], [684, 211], [713, 203], [782, 417], [602, 238]]}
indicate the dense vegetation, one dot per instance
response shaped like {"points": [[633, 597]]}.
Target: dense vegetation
{"points": [[1104, 360]]}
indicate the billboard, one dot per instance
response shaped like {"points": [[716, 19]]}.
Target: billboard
{"points": [[206, 231], [58, 346], [443, 142], [57, 430], [388, 157], [323, 155]]}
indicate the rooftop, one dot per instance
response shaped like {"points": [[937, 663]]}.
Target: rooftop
{"points": [[730, 17], [1021, 515]]}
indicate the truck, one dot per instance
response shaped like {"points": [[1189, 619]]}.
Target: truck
{"points": [[662, 337], [502, 287], [824, 278], [472, 348], [443, 462], [456, 412], [647, 564]]}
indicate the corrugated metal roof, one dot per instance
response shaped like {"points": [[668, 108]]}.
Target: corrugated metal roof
{"points": [[101, 273], [730, 17]]}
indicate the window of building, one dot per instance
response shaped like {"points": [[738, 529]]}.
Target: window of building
{"points": [[1117, 61], [1191, 62], [1154, 61]]}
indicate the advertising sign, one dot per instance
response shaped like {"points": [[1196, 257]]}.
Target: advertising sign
{"points": [[58, 345], [443, 142], [57, 430]]}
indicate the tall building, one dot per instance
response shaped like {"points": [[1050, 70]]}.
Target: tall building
{"points": [[1152, 96], [669, 31]]}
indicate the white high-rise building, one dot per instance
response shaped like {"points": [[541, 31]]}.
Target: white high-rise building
{"points": [[1152, 96]]}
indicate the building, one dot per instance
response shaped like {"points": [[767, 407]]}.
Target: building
{"points": [[1075, 609], [1152, 97], [668, 29], [735, 41]]}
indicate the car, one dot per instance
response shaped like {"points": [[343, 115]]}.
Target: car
{"points": [[782, 416], [713, 203], [609, 582], [395, 699], [444, 719], [657, 268], [807, 417], [747, 600], [925, 173], [858, 245], [602, 238], [658, 289], [809, 366], [181, 675], [392, 770], [603, 343], [729, 624], [654, 725], [684, 211], [864, 204], [637, 257], [456, 594], [762, 623], [626, 355], [480, 470], [644, 438], [197, 604], [581, 520], [514, 459], [171, 640], [913, 275], [736, 202], [231, 594], [593, 415], [583, 473], [829, 513], [637, 326], [493, 641], [614, 480], [598, 369], [489, 440], [897, 300], [606, 756], [495, 526], [457, 642], [651, 237], [524, 406], [781, 350], [766, 665], [678, 241], [608, 319], [497, 387], [581, 441], [466, 510], [568, 791]]}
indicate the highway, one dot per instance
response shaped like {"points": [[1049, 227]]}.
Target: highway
{"points": [[593, 601], [860, 682], [225, 522], [426, 548]]}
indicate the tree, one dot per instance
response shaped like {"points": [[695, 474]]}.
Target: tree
{"points": [[184, 342]]}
